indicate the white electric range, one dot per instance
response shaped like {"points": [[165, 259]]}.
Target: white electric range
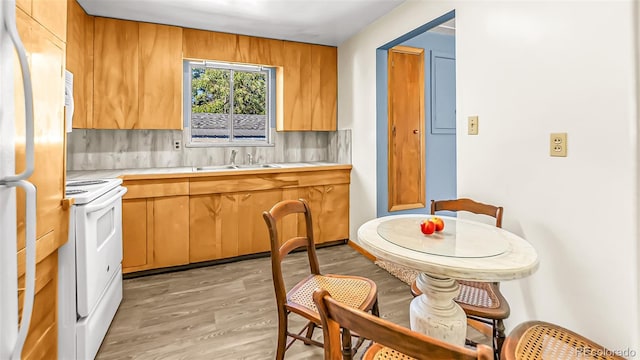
{"points": [[90, 267]]}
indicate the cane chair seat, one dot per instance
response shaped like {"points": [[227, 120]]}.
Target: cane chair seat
{"points": [[478, 299], [482, 299], [352, 291], [379, 352], [537, 340]]}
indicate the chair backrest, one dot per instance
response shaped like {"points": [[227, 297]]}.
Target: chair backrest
{"points": [[469, 205], [539, 340], [335, 315], [280, 248]]}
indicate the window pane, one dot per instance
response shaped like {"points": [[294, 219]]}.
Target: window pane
{"points": [[210, 104], [250, 106]]}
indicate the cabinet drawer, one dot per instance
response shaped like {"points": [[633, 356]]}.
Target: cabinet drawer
{"points": [[156, 188], [267, 181]]}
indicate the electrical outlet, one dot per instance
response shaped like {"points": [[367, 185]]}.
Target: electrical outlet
{"points": [[558, 144], [177, 145], [472, 125]]}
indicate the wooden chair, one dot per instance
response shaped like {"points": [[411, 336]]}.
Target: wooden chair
{"points": [[533, 340], [481, 301], [391, 341], [354, 291]]}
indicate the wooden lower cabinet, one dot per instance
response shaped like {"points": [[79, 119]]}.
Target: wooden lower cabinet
{"points": [[228, 225], [253, 235], [42, 339], [329, 206], [155, 232], [205, 227], [169, 222]]}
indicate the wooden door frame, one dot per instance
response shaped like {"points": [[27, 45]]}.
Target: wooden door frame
{"points": [[421, 128]]}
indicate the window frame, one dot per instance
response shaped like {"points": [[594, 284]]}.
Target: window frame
{"points": [[187, 101]]}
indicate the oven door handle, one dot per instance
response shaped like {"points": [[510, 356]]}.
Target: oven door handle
{"points": [[101, 205]]}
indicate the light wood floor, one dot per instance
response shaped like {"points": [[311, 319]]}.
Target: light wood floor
{"points": [[228, 311]]}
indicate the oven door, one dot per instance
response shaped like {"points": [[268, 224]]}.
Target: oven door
{"points": [[98, 247]]}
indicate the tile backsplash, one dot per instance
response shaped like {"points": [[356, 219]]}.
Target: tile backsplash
{"points": [[127, 149]]}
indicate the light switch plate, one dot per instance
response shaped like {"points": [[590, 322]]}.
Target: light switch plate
{"points": [[558, 144], [472, 125]]}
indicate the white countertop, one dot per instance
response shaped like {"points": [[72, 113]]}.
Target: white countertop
{"points": [[112, 173]]}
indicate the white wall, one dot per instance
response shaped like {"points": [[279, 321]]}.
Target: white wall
{"points": [[529, 68]]}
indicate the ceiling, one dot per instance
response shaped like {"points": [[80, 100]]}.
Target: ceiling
{"points": [[328, 22]]}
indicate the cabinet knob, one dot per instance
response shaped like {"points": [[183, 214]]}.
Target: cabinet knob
{"points": [[415, 131]]}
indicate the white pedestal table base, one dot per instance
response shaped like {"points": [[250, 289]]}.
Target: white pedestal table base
{"points": [[434, 313]]}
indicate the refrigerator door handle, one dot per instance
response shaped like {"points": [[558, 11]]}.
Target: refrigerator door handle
{"points": [[30, 272], [9, 23]]}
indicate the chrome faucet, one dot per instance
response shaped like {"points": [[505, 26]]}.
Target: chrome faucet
{"points": [[250, 159], [232, 159]]}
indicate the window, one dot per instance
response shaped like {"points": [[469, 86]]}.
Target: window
{"points": [[229, 104]]}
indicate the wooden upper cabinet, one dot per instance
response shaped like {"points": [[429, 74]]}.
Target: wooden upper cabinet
{"points": [[115, 80], [261, 51], [137, 75], [160, 77], [310, 87], [216, 46], [52, 14], [25, 5], [297, 89], [45, 54], [324, 87], [80, 63], [209, 45]]}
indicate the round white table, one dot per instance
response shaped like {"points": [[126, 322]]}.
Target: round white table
{"points": [[465, 250]]}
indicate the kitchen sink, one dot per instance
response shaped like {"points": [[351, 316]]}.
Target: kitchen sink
{"points": [[216, 168], [236, 167], [258, 166]]}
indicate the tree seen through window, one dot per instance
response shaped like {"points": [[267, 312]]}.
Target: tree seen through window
{"points": [[228, 104]]}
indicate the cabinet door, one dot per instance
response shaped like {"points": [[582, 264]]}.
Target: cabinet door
{"points": [[80, 63], [169, 230], [52, 14], [115, 77], [253, 235], [329, 207], [205, 228], [261, 51], [25, 5], [42, 338], [160, 77], [209, 45], [45, 55], [134, 234], [297, 88], [334, 216], [324, 87]]}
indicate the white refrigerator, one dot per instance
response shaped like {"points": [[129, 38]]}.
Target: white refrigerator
{"points": [[12, 332]]}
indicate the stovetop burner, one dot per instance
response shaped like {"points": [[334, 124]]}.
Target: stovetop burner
{"points": [[74, 192], [86, 182]]}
